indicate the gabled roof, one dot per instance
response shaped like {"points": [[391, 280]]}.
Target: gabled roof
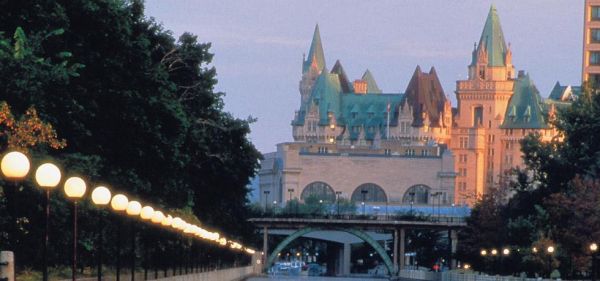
{"points": [[344, 82], [315, 54], [525, 109], [425, 95], [371, 84], [492, 39], [565, 93]]}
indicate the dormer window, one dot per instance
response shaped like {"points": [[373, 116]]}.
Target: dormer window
{"points": [[482, 74], [354, 115]]}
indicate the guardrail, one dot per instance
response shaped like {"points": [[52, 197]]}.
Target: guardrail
{"points": [[230, 274], [379, 217]]}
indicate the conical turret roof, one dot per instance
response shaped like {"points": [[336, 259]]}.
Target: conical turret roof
{"points": [[492, 39], [315, 54]]}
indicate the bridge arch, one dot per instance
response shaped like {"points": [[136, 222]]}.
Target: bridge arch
{"points": [[358, 233]]}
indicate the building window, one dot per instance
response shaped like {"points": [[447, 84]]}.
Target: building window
{"points": [[595, 35], [462, 158], [387, 151], [594, 58], [464, 142], [595, 13], [323, 150], [477, 116]]}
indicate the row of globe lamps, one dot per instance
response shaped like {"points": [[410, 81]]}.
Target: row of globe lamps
{"points": [[15, 166], [506, 251]]}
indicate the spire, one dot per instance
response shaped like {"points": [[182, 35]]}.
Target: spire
{"points": [[344, 82], [316, 56], [371, 84], [492, 39]]}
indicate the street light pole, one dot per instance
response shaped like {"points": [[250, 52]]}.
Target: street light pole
{"points": [[364, 195], [47, 176], [266, 192], [594, 250], [101, 197], [337, 200], [74, 188]]}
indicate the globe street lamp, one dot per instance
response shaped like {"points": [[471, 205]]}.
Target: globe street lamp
{"points": [[337, 200], [101, 197], [550, 250], [119, 203], [74, 188], [266, 192], [15, 165], [47, 177], [134, 208], [594, 250]]}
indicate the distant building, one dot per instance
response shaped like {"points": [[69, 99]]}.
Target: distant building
{"points": [[591, 42], [397, 148], [366, 145]]}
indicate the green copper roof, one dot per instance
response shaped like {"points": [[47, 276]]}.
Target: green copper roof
{"points": [[345, 83], [565, 93], [525, 110], [492, 38], [315, 53], [352, 110], [371, 84]]}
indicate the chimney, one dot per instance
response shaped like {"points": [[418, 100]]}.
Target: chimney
{"points": [[360, 86]]}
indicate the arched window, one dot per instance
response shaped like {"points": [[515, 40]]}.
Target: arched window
{"points": [[417, 194], [369, 192], [320, 190]]}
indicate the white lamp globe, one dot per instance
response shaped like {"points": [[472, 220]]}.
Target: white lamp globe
{"points": [[75, 187], [47, 175], [157, 217], [101, 195], [119, 202], [15, 165], [147, 213], [167, 221], [134, 208]]}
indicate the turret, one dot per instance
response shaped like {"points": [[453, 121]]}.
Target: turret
{"points": [[312, 66]]}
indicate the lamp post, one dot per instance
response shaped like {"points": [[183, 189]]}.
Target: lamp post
{"points": [[550, 250], [74, 188], [337, 200], [594, 250], [484, 254], [412, 200], [290, 190], [146, 214], [47, 177], [266, 192], [364, 196], [101, 197], [134, 208], [15, 166], [119, 203]]}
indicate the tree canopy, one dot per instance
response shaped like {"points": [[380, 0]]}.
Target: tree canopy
{"points": [[131, 106]]}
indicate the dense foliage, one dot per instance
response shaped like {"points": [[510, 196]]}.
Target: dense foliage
{"points": [[132, 107], [553, 201]]}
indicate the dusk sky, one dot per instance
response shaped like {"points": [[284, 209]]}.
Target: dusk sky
{"points": [[258, 45]]}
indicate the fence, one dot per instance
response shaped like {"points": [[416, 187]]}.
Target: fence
{"points": [[457, 276], [230, 274]]}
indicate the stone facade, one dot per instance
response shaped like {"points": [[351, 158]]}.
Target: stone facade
{"points": [[591, 41]]}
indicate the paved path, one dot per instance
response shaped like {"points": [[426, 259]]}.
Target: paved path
{"points": [[312, 278]]}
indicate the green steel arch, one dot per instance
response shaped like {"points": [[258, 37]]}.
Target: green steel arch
{"points": [[360, 234]]}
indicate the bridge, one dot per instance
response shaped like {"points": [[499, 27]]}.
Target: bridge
{"points": [[358, 227]]}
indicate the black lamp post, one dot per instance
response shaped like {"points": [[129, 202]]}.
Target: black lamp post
{"points": [[74, 188], [364, 196], [47, 177], [594, 250], [412, 200], [101, 197], [337, 200], [266, 192]]}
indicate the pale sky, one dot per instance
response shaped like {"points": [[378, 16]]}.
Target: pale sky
{"points": [[258, 45]]}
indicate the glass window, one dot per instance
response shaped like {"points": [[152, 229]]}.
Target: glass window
{"points": [[595, 35], [595, 13], [594, 58], [369, 192]]}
